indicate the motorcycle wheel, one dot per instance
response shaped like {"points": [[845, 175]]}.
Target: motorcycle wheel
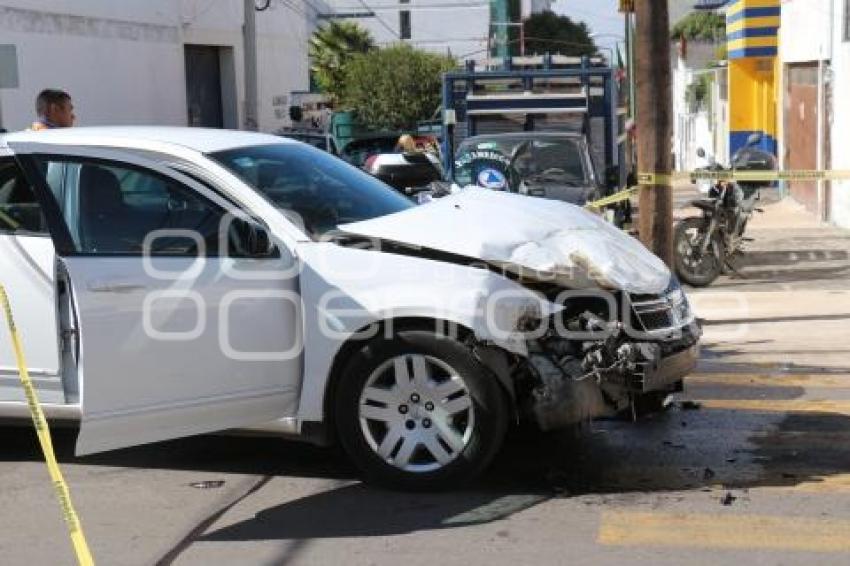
{"points": [[692, 267]]}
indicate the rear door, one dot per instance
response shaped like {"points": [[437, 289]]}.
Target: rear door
{"points": [[183, 329]]}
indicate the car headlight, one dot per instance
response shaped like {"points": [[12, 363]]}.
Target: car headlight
{"points": [[678, 301]]}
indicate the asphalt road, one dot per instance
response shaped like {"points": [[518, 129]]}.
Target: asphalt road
{"points": [[757, 471]]}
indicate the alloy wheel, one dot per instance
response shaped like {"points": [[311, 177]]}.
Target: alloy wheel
{"points": [[416, 413]]}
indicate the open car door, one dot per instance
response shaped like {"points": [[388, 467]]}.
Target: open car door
{"points": [[26, 272], [182, 330]]}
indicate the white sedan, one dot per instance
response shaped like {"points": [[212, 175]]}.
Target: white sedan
{"points": [[173, 281]]}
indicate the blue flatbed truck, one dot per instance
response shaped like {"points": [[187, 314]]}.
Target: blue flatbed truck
{"points": [[541, 93]]}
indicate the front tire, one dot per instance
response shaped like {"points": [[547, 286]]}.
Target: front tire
{"points": [[419, 412], [697, 271]]}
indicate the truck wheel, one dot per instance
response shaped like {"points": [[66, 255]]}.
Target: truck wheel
{"points": [[419, 412]]}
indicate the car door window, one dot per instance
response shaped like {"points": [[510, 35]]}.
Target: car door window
{"points": [[112, 208], [20, 211]]}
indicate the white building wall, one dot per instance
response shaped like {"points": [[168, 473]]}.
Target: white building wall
{"points": [[840, 117], [813, 31], [123, 62], [690, 129], [805, 30], [459, 27]]}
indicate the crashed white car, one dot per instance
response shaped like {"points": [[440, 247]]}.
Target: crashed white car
{"points": [[170, 282]]}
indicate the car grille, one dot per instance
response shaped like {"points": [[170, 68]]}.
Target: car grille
{"points": [[658, 313]]}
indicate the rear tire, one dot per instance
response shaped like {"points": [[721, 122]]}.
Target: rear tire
{"points": [[419, 412], [698, 272]]}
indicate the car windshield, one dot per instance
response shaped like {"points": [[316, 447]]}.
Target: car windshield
{"points": [[500, 163], [315, 189]]}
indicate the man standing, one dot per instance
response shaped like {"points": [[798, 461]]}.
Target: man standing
{"points": [[54, 109]]}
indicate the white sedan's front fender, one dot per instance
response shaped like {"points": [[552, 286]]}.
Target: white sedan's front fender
{"points": [[346, 289]]}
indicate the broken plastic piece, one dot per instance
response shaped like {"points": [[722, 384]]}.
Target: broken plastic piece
{"points": [[209, 484]]}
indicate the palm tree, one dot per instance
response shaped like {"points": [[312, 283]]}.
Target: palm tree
{"points": [[331, 47]]}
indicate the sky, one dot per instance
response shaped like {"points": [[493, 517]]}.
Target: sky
{"points": [[600, 15]]}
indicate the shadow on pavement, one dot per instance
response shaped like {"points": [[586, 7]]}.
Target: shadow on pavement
{"points": [[769, 319], [611, 461], [791, 257]]}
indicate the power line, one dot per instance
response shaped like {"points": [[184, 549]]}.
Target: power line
{"points": [[532, 38], [297, 9], [380, 19]]}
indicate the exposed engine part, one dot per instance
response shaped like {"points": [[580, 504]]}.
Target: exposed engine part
{"points": [[561, 401], [577, 381]]}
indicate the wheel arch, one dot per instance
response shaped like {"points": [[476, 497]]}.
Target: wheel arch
{"points": [[388, 327]]}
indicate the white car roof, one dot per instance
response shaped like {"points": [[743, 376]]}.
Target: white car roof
{"points": [[204, 140]]}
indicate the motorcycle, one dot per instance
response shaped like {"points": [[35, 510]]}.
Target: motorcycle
{"points": [[704, 246]]}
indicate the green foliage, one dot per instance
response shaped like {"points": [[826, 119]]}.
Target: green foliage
{"points": [[700, 26], [330, 48], [697, 92], [394, 87], [550, 32]]}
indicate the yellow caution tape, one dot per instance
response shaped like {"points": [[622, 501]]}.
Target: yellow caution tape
{"points": [[78, 539], [659, 179], [664, 179], [620, 196], [10, 222]]}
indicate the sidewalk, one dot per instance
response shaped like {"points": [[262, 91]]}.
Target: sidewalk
{"points": [[789, 309]]}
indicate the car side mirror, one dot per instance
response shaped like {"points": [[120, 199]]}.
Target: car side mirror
{"points": [[259, 242], [250, 239]]}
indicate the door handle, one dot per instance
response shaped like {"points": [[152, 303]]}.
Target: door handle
{"points": [[115, 286]]}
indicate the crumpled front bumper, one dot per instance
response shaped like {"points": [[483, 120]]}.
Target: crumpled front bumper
{"points": [[665, 371], [576, 391]]}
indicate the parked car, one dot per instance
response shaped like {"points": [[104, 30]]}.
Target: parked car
{"points": [[408, 173], [171, 281]]}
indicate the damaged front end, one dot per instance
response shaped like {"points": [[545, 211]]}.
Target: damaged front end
{"points": [[622, 328], [604, 352]]}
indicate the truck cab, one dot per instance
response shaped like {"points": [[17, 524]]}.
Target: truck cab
{"points": [[539, 99]]}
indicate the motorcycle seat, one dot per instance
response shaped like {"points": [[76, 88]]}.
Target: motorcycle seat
{"points": [[704, 204]]}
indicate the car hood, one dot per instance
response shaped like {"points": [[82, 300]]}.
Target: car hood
{"points": [[559, 191], [537, 238]]}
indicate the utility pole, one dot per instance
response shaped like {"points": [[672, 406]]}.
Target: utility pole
{"points": [[654, 126], [250, 47]]}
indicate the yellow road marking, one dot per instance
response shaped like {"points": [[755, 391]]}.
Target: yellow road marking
{"points": [[768, 380], [819, 484], [779, 405], [754, 532]]}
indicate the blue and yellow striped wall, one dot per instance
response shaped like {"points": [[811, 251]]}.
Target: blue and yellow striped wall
{"points": [[752, 34], [752, 28]]}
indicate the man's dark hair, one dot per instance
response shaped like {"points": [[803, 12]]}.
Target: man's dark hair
{"points": [[50, 96]]}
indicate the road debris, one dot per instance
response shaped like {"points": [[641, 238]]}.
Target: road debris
{"points": [[209, 484]]}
